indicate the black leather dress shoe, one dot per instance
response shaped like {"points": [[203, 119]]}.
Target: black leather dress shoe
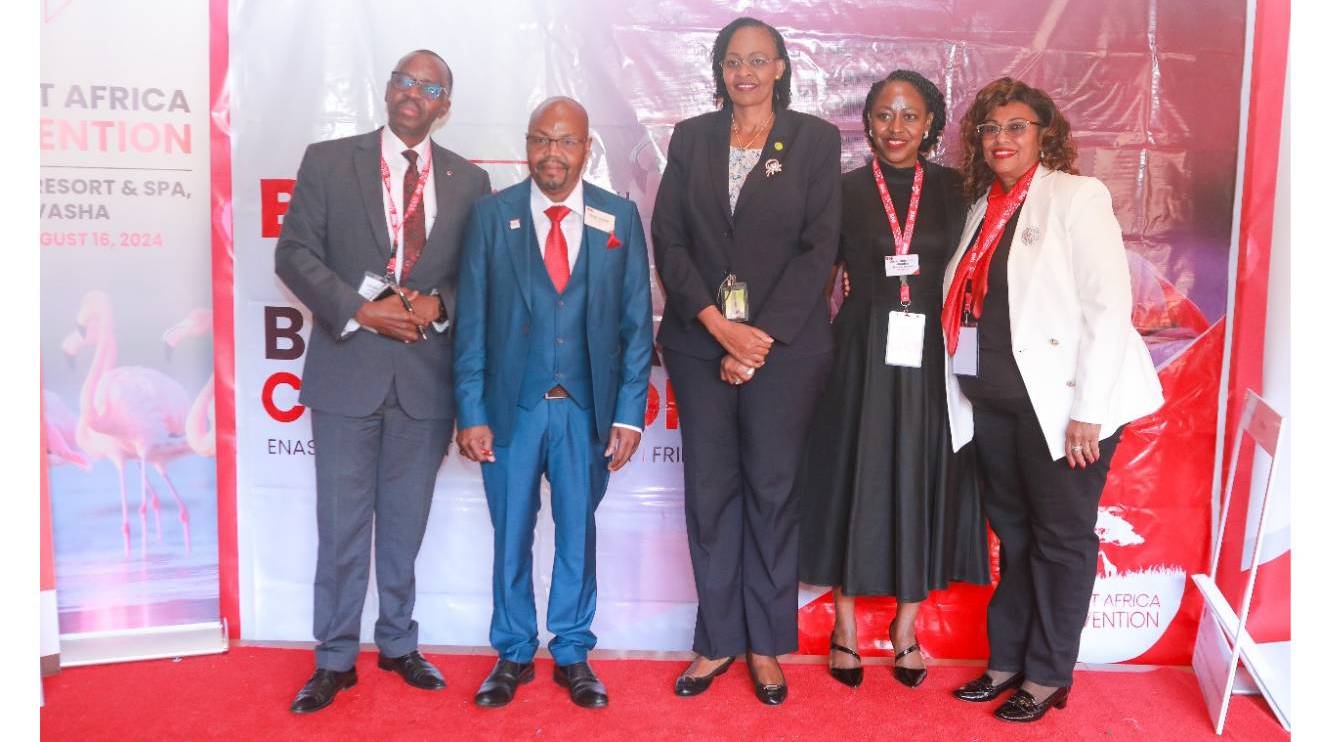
{"points": [[984, 689], [771, 694], [691, 685], [583, 687], [503, 682], [906, 675], [321, 690], [1023, 707], [849, 676], [415, 669]]}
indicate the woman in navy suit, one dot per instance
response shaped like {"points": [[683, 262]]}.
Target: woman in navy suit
{"points": [[745, 229]]}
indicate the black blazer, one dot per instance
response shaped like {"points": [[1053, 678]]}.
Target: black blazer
{"points": [[781, 241]]}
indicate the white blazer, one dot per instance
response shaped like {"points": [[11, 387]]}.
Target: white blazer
{"points": [[1070, 313]]}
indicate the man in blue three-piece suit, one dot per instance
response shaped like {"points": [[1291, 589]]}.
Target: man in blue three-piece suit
{"points": [[551, 365]]}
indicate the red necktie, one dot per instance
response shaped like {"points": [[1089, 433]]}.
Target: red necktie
{"points": [[414, 226], [556, 248]]}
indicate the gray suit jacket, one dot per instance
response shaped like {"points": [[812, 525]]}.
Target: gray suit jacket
{"points": [[333, 232]]}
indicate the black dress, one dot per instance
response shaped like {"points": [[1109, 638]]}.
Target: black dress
{"points": [[887, 507]]}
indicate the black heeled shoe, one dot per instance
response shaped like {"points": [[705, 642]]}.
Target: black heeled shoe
{"points": [[984, 689], [771, 694], [849, 676], [690, 685], [906, 675], [1023, 707]]}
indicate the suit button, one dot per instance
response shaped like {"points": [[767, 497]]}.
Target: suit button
{"points": [[560, 303], [559, 377], [728, 235], [559, 341], [1071, 384], [1054, 341]]}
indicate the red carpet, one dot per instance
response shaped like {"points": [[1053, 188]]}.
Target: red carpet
{"points": [[245, 694]]}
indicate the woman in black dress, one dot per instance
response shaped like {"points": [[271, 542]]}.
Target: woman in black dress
{"points": [[887, 507]]}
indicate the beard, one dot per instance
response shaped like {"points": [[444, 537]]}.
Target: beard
{"points": [[547, 181]]}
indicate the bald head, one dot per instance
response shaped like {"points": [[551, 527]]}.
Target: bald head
{"points": [[558, 107], [558, 142]]}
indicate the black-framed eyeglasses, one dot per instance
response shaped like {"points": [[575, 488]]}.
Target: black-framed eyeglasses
{"points": [[1015, 129], [430, 90], [756, 62], [536, 141]]}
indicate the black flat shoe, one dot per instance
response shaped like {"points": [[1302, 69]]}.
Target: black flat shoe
{"points": [[984, 689], [691, 685], [907, 675], [771, 694], [503, 682], [1022, 706], [321, 690], [849, 676], [416, 670], [584, 687]]}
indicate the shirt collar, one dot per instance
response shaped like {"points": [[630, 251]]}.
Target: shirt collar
{"points": [[541, 202], [393, 146]]}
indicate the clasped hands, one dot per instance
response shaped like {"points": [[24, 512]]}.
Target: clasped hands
{"points": [[390, 318], [746, 346]]}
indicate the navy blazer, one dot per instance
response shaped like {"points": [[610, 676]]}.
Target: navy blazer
{"points": [[493, 319], [781, 241]]}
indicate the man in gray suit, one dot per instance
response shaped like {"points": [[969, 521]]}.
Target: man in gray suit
{"points": [[370, 244]]}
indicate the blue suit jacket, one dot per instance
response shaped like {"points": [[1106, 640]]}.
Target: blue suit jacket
{"points": [[493, 317]]}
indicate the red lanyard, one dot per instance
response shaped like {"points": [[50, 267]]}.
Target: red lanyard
{"points": [[971, 280], [396, 224], [903, 236]]}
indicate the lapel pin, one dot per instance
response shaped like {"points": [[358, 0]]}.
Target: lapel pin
{"points": [[1031, 234], [515, 223], [450, 173], [773, 167], [779, 146]]}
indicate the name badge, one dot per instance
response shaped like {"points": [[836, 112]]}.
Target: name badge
{"points": [[966, 359], [372, 286], [733, 299], [902, 265], [597, 219], [907, 333]]}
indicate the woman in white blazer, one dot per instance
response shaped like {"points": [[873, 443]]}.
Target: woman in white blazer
{"points": [[1044, 365]]}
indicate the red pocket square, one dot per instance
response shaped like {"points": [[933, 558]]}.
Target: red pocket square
{"points": [[613, 242]]}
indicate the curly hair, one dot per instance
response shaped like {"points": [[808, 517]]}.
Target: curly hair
{"points": [[1057, 149], [929, 93], [783, 91]]}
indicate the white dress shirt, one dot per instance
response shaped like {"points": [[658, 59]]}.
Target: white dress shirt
{"points": [[392, 149], [572, 227]]}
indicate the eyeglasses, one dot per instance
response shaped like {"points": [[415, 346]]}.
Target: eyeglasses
{"points": [[1015, 129], [430, 90], [757, 63], [537, 141]]}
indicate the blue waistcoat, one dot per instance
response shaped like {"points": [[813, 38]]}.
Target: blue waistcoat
{"points": [[558, 349]]}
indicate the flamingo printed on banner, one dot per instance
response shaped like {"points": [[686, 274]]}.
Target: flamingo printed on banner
{"points": [[199, 427], [61, 428], [128, 413]]}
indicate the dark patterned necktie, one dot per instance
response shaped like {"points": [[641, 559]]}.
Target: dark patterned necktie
{"points": [[414, 225]]}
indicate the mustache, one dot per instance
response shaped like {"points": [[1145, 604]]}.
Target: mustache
{"points": [[551, 159]]}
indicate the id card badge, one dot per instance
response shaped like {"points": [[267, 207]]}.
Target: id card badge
{"points": [[967, 359], [902, 265], [907, 332], [733, 299], [372, 286]]}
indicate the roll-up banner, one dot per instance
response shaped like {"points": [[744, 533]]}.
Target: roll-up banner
{"points": [[126, 328]]}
